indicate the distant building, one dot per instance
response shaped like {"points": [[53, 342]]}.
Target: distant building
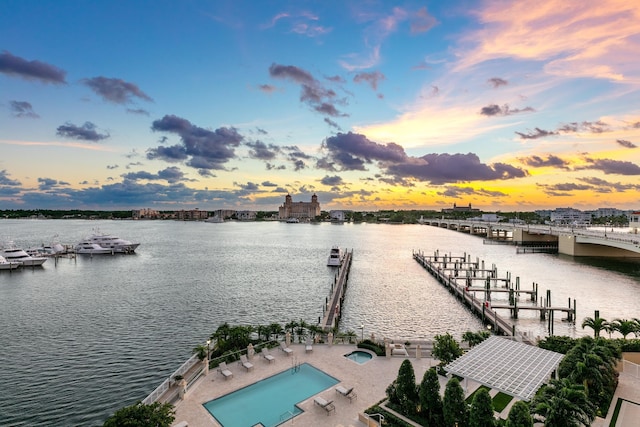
{"points": [[571, 217], [223, 213], [456, 208], [607, 212], [192, 215], [145, 214], [336, 216], [246, 215], [299, 210], [634, 219]]}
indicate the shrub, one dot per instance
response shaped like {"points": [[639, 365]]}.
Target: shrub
{"points": [[372, 346]]}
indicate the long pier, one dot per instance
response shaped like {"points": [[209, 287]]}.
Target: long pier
{"points": [[439, 266], [332, 310]]}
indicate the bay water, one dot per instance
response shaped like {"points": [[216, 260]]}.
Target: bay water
{"points": [[84, 337]]}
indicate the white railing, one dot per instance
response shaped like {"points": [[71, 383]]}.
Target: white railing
{"points": [[162, 388]]}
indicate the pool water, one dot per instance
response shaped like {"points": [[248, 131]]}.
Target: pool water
{"points": [[359, 356], [271, 401]]}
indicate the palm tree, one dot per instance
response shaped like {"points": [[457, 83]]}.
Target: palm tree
{"points": [[263, 331], [592, 362], [563, 403], [301, 330], [314, 330], [202, 351], [597, 324], [625, 327], [222, 333], [275, 329], [291, 327]]}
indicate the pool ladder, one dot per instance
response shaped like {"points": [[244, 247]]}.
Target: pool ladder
{"points": [[295, 366], [287, 414]]}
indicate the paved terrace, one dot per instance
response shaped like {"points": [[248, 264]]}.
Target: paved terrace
{"points": [[370, 381]]}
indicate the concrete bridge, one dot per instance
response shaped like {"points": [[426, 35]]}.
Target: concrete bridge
{"points": [[570, 240]]}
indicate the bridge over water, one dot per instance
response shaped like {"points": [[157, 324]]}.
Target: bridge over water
{"points": [[570, 240]]}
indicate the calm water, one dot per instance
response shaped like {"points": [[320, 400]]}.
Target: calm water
{"points": [[86, 337]]}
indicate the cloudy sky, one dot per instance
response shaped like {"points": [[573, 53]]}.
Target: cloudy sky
{"points": [[507, 105]]}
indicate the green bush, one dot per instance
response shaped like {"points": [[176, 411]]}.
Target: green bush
{"points": [[372, 346]]}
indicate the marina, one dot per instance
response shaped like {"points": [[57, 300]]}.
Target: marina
{"points": [[483, 306], [112, 328]]}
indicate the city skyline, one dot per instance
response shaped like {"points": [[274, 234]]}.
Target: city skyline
{"points": [[371, 105]]}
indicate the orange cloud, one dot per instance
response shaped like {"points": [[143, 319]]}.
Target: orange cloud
{"points": [[578, 39]]}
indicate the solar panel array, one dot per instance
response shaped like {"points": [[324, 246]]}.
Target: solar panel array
{"points": [[511, 367]]}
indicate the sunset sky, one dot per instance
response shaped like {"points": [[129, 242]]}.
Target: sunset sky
{"points": [[507, 105]]}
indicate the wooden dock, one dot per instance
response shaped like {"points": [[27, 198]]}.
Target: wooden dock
{"points": [[460, 285], [332, 310]]}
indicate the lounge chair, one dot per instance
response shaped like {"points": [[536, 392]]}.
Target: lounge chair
{"points": [[283, 347], [247, 365], [267, 355], [224, 370], [308, 346], [327, 405], [347, 392]]}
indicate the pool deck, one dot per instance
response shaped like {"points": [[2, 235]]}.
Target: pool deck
{"points": [[370, 380]]}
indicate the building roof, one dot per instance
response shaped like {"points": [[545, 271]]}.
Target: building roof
{"points": [[511, 367]]}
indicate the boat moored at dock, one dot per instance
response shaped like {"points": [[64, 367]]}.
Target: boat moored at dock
{"points": [[108, 241], [335, 257], [8, 265], [12, 253]]}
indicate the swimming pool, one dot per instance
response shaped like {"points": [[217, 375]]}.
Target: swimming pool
{"points": [[270, 401], [359, 356]]}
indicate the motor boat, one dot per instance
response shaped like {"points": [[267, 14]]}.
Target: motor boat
{"points": [[113, 243], [12, 253], [52, 249], [8, 265], [92, 249], [335, 257]]}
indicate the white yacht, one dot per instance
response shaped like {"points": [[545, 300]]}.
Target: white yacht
{"points": [[335, 257], [8, 265], [12, 253], [89, 248], [113, 243]]}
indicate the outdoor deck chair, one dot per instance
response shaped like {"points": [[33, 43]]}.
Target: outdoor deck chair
{"points": [[287, 350], [308, 347], [327, 405], [224, 370], [349, 393], [245, 363], [267, 355]]}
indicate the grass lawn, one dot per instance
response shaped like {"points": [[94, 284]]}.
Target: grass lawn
{"points": [[500, 401]]}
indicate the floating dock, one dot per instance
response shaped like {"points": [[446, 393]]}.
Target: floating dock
{"points": [[458, 274], [332, 309]]}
